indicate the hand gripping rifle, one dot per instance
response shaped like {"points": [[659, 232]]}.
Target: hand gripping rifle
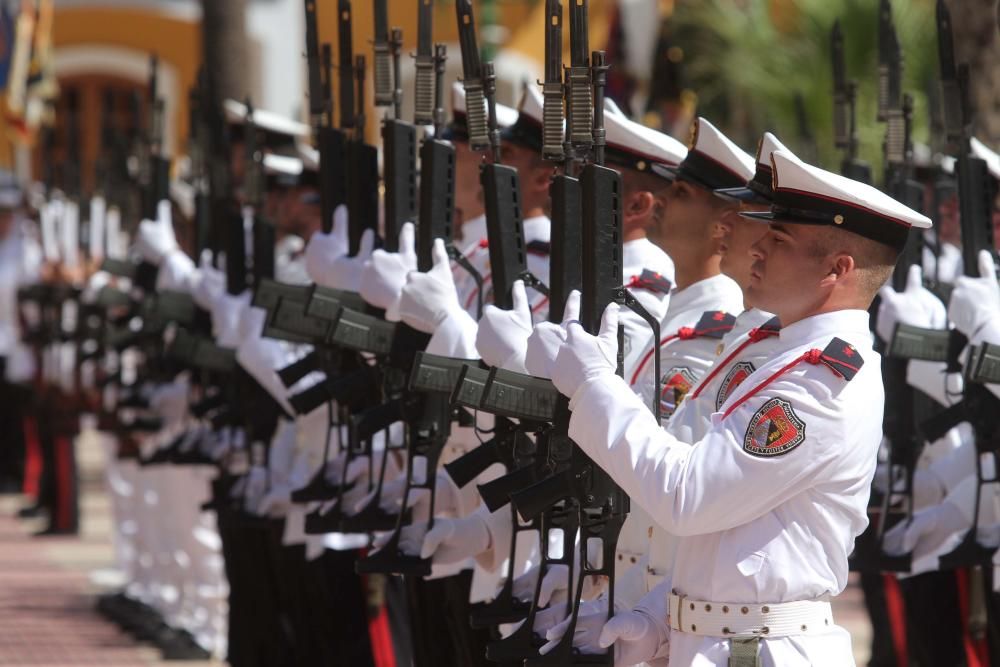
{"points": [[976, 190], [845, 135], [600, 504], [899, 420]]}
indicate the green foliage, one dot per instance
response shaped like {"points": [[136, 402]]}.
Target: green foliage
{"points": [[747, 68]]}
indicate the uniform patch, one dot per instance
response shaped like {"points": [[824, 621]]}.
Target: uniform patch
{"points": [[774, 430], [740, 371], [676, 384]]}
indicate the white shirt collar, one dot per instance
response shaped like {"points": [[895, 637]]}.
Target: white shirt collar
{"points": [[538, 228], [825, 325], [719, 288]]}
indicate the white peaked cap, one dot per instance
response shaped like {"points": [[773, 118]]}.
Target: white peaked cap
{"points": [[758, 189], [713, 161], [984, 152], [282, 165], [506, 116], [269, 121], [633, 145], [804, 194]]}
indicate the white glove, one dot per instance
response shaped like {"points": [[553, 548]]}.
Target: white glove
{"points": [[935, 530], [208, 284], [384, 275], [227, 316], [915, 305], [449, 541], [170, 401], [323, 249], [430, 298], [637, 636], [589, 623], [547, 337], [344, 272], [975, 301], [156, 238], [276, 503], [584, 357], [334, 471], [928, 490], [555, 584], [445, 496], [502, 338]]}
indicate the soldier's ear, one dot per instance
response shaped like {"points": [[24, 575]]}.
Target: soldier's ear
{"points": [[639, 203]]}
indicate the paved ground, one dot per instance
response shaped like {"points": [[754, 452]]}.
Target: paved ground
{"points": [[47, 615]]}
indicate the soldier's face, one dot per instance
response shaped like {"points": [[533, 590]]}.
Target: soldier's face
{"points": [[785, 273], [688, 214], [740, 235]]}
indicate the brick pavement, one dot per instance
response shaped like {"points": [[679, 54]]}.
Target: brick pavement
{"points": [[47, 616]]}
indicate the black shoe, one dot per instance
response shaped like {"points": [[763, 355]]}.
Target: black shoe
{"points": [[180, 645], [30, 512]]}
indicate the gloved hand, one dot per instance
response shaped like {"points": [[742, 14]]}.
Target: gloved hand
{"points": [[384, 275], [584, 357], [227, 316], [554, 585], [449, 541], [589, 623], [927, 489], [502, 337], [276, 503], [445, 496], [935, 530], [547, 337], [976, 301], [170, 401], [915, 305], [430, 298], [323, 249], [334, 471], [637, 636], [156, 238], [208, 284]]}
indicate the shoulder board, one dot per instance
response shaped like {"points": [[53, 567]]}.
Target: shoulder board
{"points": [[652, 281], [542, 248], [842, 358], [772, 325], [714, 324]]}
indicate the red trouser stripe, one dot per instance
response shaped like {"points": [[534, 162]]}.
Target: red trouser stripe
{"points": [[897, 618], [64, 484], [32, 457], [976, 652]]}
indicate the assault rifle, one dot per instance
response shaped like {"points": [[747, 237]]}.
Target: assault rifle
{"points": [[976, 190], [899, 420], [845, 134]]}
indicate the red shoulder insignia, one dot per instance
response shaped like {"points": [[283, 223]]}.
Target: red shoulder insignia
{"points": [[772, 325], [842, 358], [774, 430], [651, 281], [714, 324]]}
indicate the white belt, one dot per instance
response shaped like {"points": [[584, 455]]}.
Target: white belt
{"points": [[727, 619]]}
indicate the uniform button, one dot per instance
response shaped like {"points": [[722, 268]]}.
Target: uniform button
{"points": [[803, 627], [725, 630], [632, 559], [621, 557], [650, 532], [692, 606], [764, 630], [708, 607], [725, 610], [693, 627], [744, 610], [765, 609]]}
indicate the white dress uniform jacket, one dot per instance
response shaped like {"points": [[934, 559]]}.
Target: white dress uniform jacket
{"points": [[769, 501]]}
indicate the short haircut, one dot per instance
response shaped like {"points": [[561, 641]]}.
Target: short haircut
{"points": [[873, 261]]}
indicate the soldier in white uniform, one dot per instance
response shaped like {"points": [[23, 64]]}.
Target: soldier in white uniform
{"points": [[705, 302], [769, 501]]}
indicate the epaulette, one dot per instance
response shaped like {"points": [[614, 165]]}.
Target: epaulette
{"points": [[714, 324], [539, 248], [842, 358], [773, 325], [651, 281]]}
